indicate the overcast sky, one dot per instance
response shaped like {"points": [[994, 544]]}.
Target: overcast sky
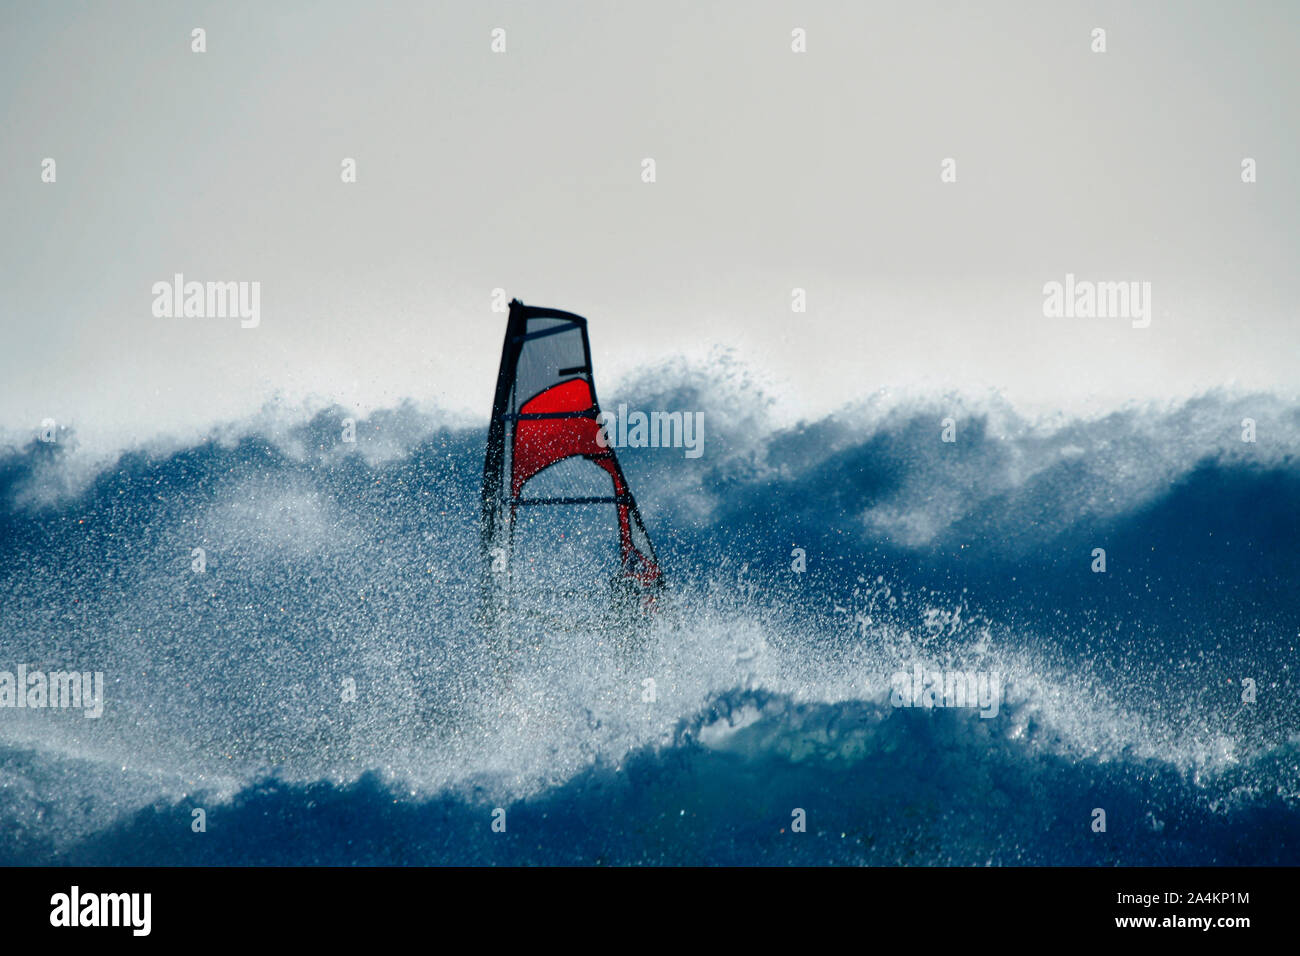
{"points": [[522, 170]]}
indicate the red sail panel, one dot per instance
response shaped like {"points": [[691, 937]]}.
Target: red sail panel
{"points": [[540, 442], [544, 412]]}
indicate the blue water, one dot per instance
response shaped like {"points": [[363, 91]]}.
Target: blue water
{"points": [[330, 562]]}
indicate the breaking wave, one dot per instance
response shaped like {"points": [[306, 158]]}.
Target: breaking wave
{"points": [[322, 691]]}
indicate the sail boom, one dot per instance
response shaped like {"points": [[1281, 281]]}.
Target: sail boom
{"points": [[542, 416], [582, 500]]}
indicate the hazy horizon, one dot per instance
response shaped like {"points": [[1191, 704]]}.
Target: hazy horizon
{"points": [[522, 171]]}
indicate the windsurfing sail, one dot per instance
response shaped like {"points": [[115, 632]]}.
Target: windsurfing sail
{"points": [[546, 452]]}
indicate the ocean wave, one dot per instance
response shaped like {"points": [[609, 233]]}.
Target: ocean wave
{"points": [[327, 562]]}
